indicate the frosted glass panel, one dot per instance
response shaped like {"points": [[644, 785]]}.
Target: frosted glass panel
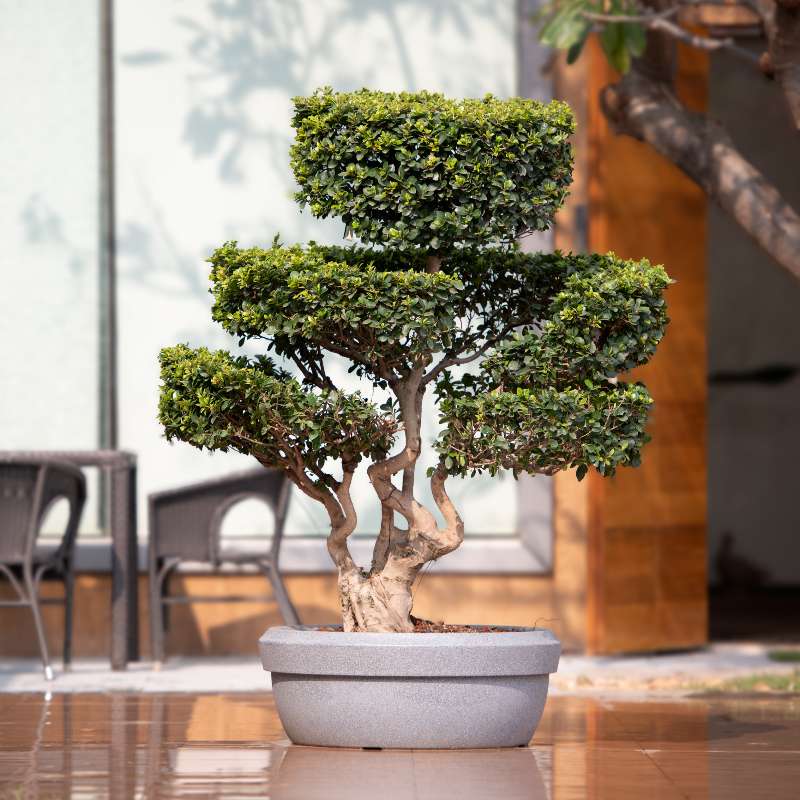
{"points": [[203, 119], [49, 226]]}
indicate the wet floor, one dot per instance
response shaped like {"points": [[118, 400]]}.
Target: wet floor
{"points": [[179, 745]]}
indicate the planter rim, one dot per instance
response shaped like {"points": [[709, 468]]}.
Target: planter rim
{"points": [[306, 650]]}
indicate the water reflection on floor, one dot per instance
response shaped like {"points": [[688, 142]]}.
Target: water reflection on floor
{"points": [[179, 745]]}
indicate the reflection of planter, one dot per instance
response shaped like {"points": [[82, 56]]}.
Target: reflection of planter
{"points": [[309, 773], [415, 690]]}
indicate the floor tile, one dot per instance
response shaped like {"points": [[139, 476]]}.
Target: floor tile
{"points": [[120, 745]]}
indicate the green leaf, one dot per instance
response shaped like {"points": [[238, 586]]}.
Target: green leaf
{"points": [[576, 48], [563, 17], [567, 28], [635, 38], [612, 38]]}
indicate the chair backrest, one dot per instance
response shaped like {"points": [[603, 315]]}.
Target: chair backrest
{"points": [[18, 490], [186, 523], [27, 490]]}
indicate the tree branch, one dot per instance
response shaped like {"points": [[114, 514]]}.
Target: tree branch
{"points": [[433, 263], [706, 43], [650, 112], [451, 536], [409, 550], [781, 19], [642, 19], [381, 472], [381, 549], [339, 506], [314, 373], [455, 361], [337, 539], [659, 22]]}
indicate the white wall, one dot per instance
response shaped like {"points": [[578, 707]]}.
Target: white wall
{"points": [[203, 131], [49, 228]]}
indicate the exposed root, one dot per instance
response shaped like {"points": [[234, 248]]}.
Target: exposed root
{"points": [[375, 603]]}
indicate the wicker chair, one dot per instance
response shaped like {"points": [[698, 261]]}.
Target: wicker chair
{"points": [[27, 490], [185, 526]]}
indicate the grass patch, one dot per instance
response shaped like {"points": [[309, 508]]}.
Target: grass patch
{"points": [[784, 656], [789, 682]]}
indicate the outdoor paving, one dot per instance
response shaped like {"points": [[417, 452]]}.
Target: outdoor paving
{"points": [[121, 745], [666, 673]]}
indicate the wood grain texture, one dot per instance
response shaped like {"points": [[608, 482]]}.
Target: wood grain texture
{"points": [[647, 530], [220, 629], [571, 499]]}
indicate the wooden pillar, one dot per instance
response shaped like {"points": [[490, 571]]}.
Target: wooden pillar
{"points": [[571, 507], [646, 583]]}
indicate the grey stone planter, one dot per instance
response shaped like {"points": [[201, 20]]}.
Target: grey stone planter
{"points": [[409, 690]]}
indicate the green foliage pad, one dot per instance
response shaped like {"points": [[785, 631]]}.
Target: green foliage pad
{"points": [[422, 171], [216, 401]]}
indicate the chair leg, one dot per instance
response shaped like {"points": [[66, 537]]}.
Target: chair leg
{"points": [[159, 574], [156, 619], [69, 595], [33, 597], [288, 611]]}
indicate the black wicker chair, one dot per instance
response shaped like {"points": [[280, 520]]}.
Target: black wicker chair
{"points": [[185, 526], [27, 490]]}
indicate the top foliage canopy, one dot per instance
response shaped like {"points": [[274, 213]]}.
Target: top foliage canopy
{"points": [[422, 171]]}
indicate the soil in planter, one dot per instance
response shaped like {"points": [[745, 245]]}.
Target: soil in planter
{"points": [[428, 626]]}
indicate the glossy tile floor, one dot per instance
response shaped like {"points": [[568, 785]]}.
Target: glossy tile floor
{"points": [[232, 745]]}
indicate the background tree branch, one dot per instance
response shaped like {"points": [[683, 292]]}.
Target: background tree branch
{"points": [[781, 20], [639, 40], [702, 149]]}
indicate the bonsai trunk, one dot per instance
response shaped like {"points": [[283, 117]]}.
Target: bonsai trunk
{"points": [[380, 600]]}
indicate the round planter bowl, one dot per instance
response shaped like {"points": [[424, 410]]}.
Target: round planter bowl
{"points": [[410, 690]]}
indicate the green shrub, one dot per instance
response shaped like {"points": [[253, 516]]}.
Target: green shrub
{"points": [[421, 171], [216, 401]]}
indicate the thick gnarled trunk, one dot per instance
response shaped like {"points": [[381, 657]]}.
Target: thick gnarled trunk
{"points": [[380, 600], [375, 603]]}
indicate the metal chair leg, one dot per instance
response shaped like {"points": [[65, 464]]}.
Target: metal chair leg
{"points": [[158, 577], [69, 596], [33, 597], [288, 611], [156, 619]]}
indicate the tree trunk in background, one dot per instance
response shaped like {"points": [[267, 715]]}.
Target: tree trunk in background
{"points": [[649, 111], [643, 105]]}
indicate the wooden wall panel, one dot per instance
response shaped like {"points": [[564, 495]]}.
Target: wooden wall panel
{"points": [[233, 628], [647, 549], [571, 498]]}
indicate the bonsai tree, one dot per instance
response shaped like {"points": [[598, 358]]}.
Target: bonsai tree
{"points": [[438, 191]]}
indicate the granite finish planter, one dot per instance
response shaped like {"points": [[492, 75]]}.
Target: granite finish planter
{"points": [[410, 690]]}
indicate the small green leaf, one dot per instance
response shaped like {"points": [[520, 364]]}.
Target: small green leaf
{"points": [[635, 38], [612, 39], [576, 48]]}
